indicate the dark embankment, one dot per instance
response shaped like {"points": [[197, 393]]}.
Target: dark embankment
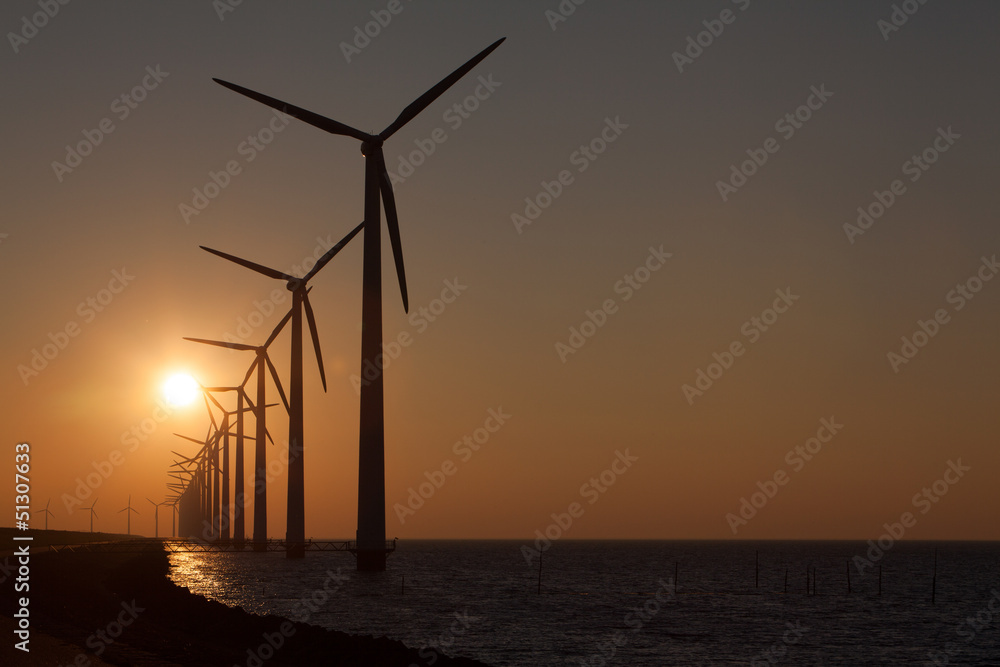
{"points": [[129, 599]]}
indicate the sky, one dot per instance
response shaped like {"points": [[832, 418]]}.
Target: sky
{"points": [[714, 270]]}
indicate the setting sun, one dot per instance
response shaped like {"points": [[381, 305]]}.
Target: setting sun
{"points": [[180, 389]]}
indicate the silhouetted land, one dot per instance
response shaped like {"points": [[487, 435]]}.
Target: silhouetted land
{"points": [[75, 595]]}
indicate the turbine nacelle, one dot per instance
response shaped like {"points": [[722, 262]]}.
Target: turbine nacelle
{"points": [[369, 147]]}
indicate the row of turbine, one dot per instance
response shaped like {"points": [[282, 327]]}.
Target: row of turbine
{"points": [[371, 547]]}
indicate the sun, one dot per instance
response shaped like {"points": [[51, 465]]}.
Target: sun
{"points": [[180, 389]]}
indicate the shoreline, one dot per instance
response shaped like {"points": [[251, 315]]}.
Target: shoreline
{"points": [[123, 609]]}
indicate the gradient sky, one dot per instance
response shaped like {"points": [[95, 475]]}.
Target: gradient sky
{"points": [[62, 237]]}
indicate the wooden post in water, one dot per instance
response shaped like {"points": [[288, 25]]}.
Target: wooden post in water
{"points": [[880, 580], [402, 585], [675, 576], [786, 580], [814, 580], [848, 564], [756, 569], [540, 572], [807, 580], [934, 578]]}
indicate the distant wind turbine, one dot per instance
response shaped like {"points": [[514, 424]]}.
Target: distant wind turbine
{"points": [[156, 517], [93, 513], [295, 524], [371, 542], [47, 513], [128, 513]]}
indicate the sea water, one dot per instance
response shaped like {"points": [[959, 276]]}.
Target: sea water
{"points": [[617, 602]]}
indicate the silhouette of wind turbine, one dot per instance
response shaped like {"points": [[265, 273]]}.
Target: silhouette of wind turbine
{"points": [[128, 513], [295, 524], [371, 546], [202, 479], [173, 516], [260, 449], [93, 513], [47, 513], [227, 515], [156, 517]]}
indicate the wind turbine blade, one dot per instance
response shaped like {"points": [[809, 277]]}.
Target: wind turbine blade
{"points": [[277, 329], [209, 408], [253, 266], [392, 222], [444, 84], [200, 442], [233, 346], [246, 378], [252, 407], [277, 382], [329, 254], [315, 337], [322, 122]]}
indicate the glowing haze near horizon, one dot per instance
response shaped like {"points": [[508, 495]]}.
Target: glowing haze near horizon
{"points": [[495, 345]]}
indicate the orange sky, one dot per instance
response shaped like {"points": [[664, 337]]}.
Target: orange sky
{"points": [[623, 155]]}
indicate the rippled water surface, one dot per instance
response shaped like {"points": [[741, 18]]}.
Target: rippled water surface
{"points": [[613, 603]]}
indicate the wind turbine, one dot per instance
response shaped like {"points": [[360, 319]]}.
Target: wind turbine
{"points": [[128, 513], [227, 516], [371, 546], [156, 517], [203, 477], [260, 450], [93, 513], [173, 516], [295, 525], [47, 513]]}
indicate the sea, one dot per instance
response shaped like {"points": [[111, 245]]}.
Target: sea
{"points": [[638, 603]]}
